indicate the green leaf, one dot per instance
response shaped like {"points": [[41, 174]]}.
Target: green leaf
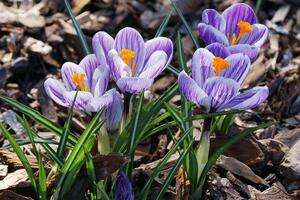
{"points": [[180, 51], [90, 168], [21, 156], [37, 117], [176, 116], [66, 129], [77, 154], [42, 179], [188, 28], [163, 25], [210, 115], [146, 188], [213, 158], [133, 136], [172, 173], [78, 29]]}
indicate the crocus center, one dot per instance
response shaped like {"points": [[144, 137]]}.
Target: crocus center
{"points": [[219, 64], [245, 27], [128, 57], [78, 79]]}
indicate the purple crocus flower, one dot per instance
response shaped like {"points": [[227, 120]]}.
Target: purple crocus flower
{"points": [[215, 82], [236, 28], [92, 81], [123, 188], [133, 63]]}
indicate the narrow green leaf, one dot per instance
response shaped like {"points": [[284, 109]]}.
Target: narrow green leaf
{"points": [[257, 6], [210, 115], [66, 129], [172, 173], [213, 158], [180, 51], [90, 168], [37, 117], [133, 136], [42, 179], [21, 156], [77, 28], [145, 191], [176, 116], [188, 28], [163, 25], [30, 135]]}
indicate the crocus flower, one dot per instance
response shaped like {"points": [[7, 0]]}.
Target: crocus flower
{"points": [[236, 28], [133, 63], [123, 189], [215, 82], [92, 80]]}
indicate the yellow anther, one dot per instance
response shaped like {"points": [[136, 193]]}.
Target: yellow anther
{"points": [[78, 79], [245, 27], [219, 64], [128, 57]]}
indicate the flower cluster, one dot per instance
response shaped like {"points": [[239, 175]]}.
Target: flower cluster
{"points": [[233, 40]]}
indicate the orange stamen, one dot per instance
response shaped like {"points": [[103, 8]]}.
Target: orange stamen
{"points": [[78, 79], [219, 64], [128, 57], [245, 27]]}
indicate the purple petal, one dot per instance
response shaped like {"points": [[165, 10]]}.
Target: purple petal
{"points": [[221, 91], [55, 90], [202, 66], [98, 102], [210, 35], [83, 99], [213, 18], [134, 85], [131, 39], [239, 65], [248, 99], [102, 44], [89, 63], [256, 37], [100, 81], [67, 71], [117, 66], [114, 111], [234, 14], [218, 50], [155, 65], [124, 189], [250, 51], [159, 44], [190, 90]]}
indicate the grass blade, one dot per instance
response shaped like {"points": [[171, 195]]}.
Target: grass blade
{"points": [[188, 28], [20, 155], [78, 29], [146, 188], [133, 136], [37, 117], [163, 25], [66, 129], [90, 168], [172, 173], [42, 179]]}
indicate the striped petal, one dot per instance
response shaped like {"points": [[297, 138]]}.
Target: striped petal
{"points": [[89, 64], [117, 66], [67, 71], [210, 34], [102, 44], [250, 51], [114, 111], [55, 90], [218, 50], [239, 66], [134, 85], [221, 91], [155, 65], [82, 100], [213, 18], [256, 37], [129, 38], [201, 66], [190, 90]]}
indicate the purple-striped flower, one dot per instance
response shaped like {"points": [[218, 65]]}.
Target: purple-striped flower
{"points": [[236, 28], [216, 81], [123, 190], [92, 81], [133, 63]]}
